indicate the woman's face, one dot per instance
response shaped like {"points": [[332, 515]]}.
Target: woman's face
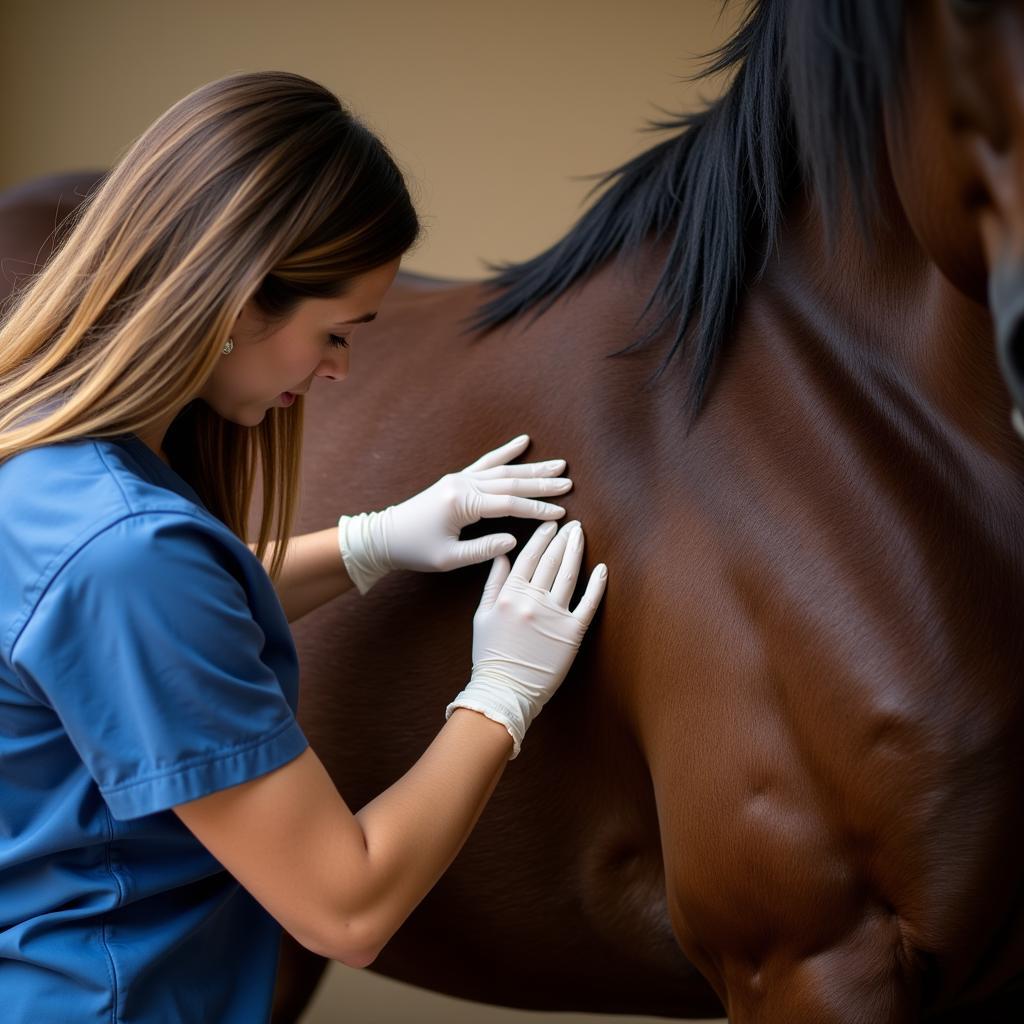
{"points": [[265, 368]]}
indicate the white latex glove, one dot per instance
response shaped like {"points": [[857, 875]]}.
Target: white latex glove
{"points": [[524, 636], [422, 533]]}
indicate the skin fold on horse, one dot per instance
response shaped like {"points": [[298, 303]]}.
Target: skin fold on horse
{"points": [[783, 777]]}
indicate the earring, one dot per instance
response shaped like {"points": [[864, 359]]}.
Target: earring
{"points": [[228, 346]]}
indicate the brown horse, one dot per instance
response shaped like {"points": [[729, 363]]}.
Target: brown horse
{"points": [[784, 775]]}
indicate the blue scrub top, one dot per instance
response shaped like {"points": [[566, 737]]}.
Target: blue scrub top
{"points": [[145, 660]]}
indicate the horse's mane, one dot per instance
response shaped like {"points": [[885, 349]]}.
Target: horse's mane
{"points": [[803, 110]]}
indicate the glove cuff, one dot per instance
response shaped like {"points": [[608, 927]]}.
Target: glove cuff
{"points": [[497, 703], [361, 542]]}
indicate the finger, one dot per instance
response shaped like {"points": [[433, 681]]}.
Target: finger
{"points": [[552, 468], [565, 581], [499, 456], [480, 549], [591, 598], [494, 506], [551, 561], [529, 488], [528, 558], [495, 581]]}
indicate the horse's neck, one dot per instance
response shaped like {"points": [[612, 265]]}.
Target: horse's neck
{"points": [[885, 318]]}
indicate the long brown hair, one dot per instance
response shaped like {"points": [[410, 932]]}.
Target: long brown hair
{"points": [[256, 186]]}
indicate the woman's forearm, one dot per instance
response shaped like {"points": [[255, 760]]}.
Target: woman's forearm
{"points": [[415, 828], [312, 574]]}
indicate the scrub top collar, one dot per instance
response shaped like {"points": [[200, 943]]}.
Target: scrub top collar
{"points": [[164, 473]]}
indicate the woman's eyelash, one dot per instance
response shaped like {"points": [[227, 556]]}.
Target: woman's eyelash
{"points": [[338, 341]]}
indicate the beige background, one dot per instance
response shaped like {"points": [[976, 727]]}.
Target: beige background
{"points": [[491, 108]]}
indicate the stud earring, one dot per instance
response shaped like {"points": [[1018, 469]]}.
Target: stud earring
{"points": [[228, 346]]}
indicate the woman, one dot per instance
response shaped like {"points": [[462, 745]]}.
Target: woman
{"points": [[148, 680]]}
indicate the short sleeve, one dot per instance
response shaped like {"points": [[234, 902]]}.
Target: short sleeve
{"points": [[146, 647]]}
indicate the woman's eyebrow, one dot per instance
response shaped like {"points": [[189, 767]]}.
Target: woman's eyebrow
{"points": [[364, 319]]}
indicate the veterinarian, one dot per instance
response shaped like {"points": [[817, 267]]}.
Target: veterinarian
{"points": [[161, 813]]}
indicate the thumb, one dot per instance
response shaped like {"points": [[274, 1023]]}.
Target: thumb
{"points": [[480, 549], [495, 581]]}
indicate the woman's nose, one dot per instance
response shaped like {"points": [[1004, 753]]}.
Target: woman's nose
{"points": [[335, 366]]}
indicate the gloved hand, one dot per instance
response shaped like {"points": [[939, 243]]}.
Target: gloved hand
{"points": [[524, 636], [423, 532]]}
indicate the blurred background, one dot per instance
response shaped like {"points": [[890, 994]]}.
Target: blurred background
{"points": [[494, 110]]}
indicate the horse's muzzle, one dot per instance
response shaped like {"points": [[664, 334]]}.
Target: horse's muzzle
{"points": [[1006, 300]]}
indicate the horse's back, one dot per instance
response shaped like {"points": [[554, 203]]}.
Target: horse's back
{"points": [[31, 218]]}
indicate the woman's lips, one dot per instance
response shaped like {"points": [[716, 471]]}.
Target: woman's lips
{"points": [[287, 397]]}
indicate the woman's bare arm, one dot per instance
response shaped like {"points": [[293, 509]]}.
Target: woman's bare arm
{"points": [[342, 883], [312, 574]]}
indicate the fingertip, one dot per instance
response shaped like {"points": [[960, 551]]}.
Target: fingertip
{"points": [[500, 569], [504, 546]]}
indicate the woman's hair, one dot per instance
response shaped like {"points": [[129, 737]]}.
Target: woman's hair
{"points": [[258, 185]]}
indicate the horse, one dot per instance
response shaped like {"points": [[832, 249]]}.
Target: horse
{"points": [[782, 780]]}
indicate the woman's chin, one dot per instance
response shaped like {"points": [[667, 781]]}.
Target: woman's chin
{"points": [[247, 416]]}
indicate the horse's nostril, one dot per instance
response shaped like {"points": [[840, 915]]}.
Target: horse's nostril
{"points": [[1011, 359], [1015, 349], [1006, 300]]}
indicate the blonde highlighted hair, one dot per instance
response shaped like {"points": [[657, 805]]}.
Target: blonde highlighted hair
{"points": [[256, 186]]}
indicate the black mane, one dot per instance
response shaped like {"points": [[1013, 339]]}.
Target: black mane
{"points": [[803, 110]]}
